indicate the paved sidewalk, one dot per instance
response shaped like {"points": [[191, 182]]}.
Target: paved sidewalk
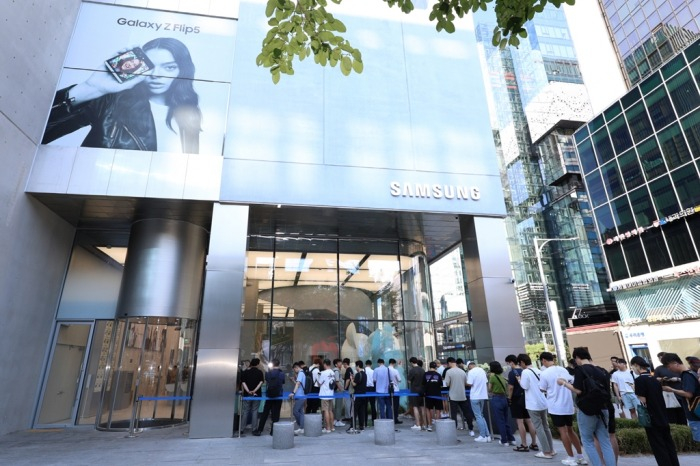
{"points": [[86, 446]]}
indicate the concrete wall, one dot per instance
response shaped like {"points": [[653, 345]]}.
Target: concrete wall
{"points": [[34, 243]]}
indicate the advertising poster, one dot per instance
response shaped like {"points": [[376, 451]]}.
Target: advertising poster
{"points": [[147, 80]]}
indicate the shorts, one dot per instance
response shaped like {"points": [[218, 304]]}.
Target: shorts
{"points": [[630, 400], [415, 401], [562, 420], [433, 403], [517, 408], [327, 405]]}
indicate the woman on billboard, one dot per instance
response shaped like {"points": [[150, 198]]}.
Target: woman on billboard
{"points": [[145, 102]]}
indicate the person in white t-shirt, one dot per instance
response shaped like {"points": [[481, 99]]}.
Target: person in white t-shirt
{"points": [[536, 405], [327, 383], [623, 385], [477, 381], [560, 404]]}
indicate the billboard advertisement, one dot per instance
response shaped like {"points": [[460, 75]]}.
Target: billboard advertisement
{"points": [[147, 80]]}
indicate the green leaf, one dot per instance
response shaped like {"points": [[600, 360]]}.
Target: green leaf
{"points": [[358, 66], [346, 65], [270, 8], [450, 27]]}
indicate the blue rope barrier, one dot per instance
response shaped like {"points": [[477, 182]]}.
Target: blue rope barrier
{"points": [[316, 396]]}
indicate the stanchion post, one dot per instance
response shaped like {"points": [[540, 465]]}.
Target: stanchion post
{"points": [[132, 422], [240, 413]]}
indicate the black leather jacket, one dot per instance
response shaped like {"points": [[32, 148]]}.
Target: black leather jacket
{"points": [[117, 121]]}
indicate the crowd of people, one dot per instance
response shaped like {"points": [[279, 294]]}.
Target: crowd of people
{"points": [[527, 393]]}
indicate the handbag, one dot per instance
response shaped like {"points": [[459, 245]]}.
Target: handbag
{"points": [[694, 406], [643, 416]]}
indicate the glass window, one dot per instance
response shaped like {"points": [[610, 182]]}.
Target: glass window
{"points": [[373, 340], [606, 224], [616, 262], [603, 147], [596, 190], [586, 155], [683, 93], [611, 179], [687, 185], [596, 123], [657, 252], [679, 243], [696, 71], [672, 67], [691, 128], [693, 52], [673, 146], [651, 158], [623, 214], [639, 122], [612, 111], [660, 108], [631, 97], [643, 208], [664, 197], [581, 134], [630, 170], [620, 135], [650, 83], [636, 259], [694, 226], [294, 340]]}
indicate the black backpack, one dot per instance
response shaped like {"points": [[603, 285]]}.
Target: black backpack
{"points": [[275, 382], [595, 395], [308, 381]]}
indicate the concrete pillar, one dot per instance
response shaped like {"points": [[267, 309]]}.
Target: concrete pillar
{"points": [[283, 435], [312, 425], [495, 317], [446, 430], [384, 432]]}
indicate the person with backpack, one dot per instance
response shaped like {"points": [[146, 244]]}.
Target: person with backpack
{"points": [[273, 397], [313, 404], [591, 386], [298, 396]]}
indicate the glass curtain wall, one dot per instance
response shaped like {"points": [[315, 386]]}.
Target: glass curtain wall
{"points": [[309, 297]]}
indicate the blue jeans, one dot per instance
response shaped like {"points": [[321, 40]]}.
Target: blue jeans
{"points": [[384, 404], [478, 408], [499, 405], [591, 427], [695, 430], [299, 412]]}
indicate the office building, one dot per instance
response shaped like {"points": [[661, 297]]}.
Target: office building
{"points": [[168, 213]]}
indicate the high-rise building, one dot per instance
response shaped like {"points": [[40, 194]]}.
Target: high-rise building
{"points": [[537, 99], [164, 201], [641, 163], [647, 33]]}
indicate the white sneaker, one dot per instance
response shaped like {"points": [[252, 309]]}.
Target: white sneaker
{"points": [[339, 424], [581, 460], [471, 433], [299, 432], [569, 462], [482, 439], [512, 444], [325, 431], [415, 427]]}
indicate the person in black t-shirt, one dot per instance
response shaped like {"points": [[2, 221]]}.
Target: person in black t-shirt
{"points": [[516, 401], [251, 382], [359, 382], [674, 403], [690, 389], [650, 394]]}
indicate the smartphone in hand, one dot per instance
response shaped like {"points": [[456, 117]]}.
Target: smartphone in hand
{"points": [[129, 64]]}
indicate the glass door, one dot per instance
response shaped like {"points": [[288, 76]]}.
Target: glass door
{"points": [[60, 394]]}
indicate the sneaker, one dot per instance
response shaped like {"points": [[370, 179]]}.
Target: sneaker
{"points": [[543, 455], [482, 439], [429, 429], [460, 428], [512, 444], [581, 460], [397, 421], [415, 427], [471, 433], [325, 431], [299, 432], [504, 444], [339, 424], [569, 462]]}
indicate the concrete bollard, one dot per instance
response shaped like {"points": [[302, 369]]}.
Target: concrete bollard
{"points": [[283, 435], [446, 432], [312, 425], [384, 432]]}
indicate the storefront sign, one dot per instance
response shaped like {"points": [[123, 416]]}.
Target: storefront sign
{"points": [[436, 191], [675, 272]]}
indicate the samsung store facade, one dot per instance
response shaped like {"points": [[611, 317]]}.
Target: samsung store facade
{"points": [[199, 216]]}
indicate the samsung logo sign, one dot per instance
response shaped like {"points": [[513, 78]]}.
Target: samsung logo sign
{"points": [[434, 191]]}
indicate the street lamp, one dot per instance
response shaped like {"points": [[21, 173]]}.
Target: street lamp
{"points": [[553, 320]]}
